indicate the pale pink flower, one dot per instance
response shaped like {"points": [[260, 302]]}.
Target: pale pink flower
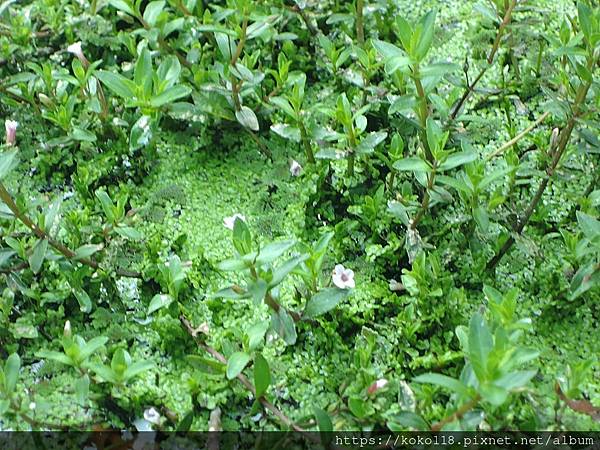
{"points": [[295, 168], [342, 277]]}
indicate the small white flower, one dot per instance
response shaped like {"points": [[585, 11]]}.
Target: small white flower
{"points": [[10, 127], [75, 49], [228, 222], [152, 415], [32, 406], [295, 168], [342, 277]]}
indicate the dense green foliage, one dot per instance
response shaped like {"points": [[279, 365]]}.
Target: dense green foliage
{"points": [[300, 214]]}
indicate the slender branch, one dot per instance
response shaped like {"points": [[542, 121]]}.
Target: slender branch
{"points": [[456, 415], [65, 251], [241, 43], [306, 143], [314, 31], [518, 137], [489, 60], [425, 201], [360, 27], [423, 112], [557, 153]]}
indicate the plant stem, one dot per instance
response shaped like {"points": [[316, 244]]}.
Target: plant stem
{"points": [[563, 140], [241, 43], [460, 412], [187, 326], [360, 28], [306, 143], [489, 60], [352, 156], [423, 112], [425, 202], [518, 137], [41, 234]]}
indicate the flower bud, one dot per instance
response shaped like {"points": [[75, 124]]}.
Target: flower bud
{"points": [[554, 138], [67, 329], [377, 385], [11, 131]]}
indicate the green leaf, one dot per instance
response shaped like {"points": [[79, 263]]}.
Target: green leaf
{"points": [[284, 105], [170, 95], [11, 373], [82, 389], [426, 38], [237, 362], [262, 375], [186, 423], [589, 225], [205, 365], [232, 265], [247, 118], [104, 372], [122, 5], [85, 251], [242, 239], [159, 301], [142, 75], [256, 334], [92, 346], [84, 300], [8, 160], [169, 70], [405, 33], [388, 50], [117, 83], [357, 407], [411, 164], [152, 11], [128, 232], [282, 271], [458, 159], [496, 395], [214, 28], [107, 205], [286, 131], [258, 290], [55, 356], [407, 419], [120, 361], [323, 420], [585, 19], [38, 255], [372, 140], [137, 368], [324, 300], [445, 381], [284, 326], [515, 380], [273, 250], [480, 346]]}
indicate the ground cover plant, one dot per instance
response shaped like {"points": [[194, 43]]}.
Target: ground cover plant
{"points": [[306, 215]]}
